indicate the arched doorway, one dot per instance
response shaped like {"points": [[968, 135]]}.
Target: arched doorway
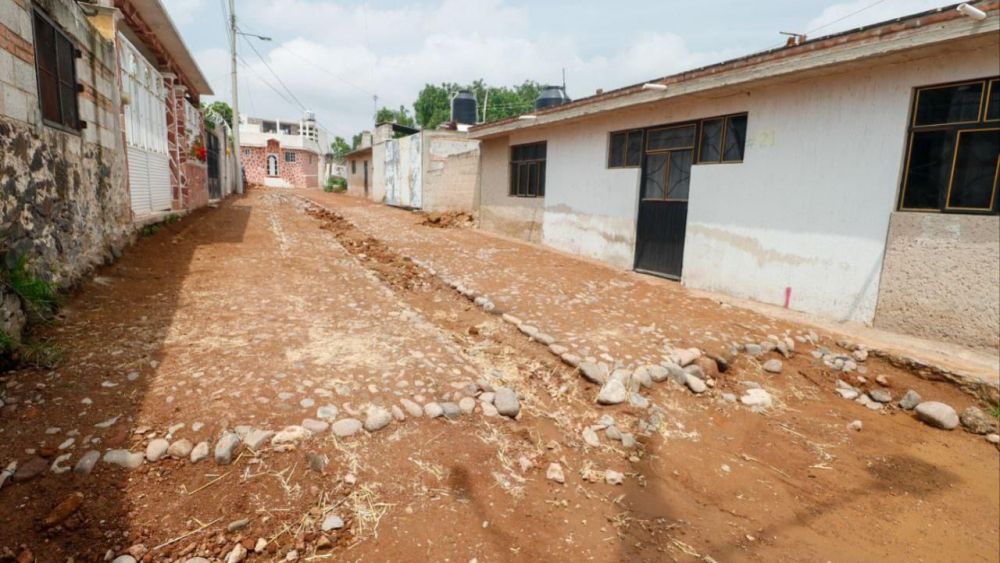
{"points": [[272, 165]]}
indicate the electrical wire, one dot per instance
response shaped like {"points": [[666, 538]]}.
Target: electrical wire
{"points": [[275, 74]]}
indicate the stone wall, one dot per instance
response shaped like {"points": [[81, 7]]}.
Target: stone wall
{"points": [[941, 278], [64, 202]]}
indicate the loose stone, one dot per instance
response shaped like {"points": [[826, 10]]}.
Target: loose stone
{"points": [[180, 449], [124, 458], [199, 452], [695, 384], [590, 438], [772, 366], [976, 421], [237, 525], [256, 438], [936, 414], [612, 393], [613, 477], [451, 410], [506, 403], [910, 400], [30, 469], [757, 398], [86, 463], [555, 473], [290, 434], [315, 426], [594, 373], [225, 448], [855, 425], [412, 408], [880, 395], [346, 427], [848, 393], [433, 410], [156, 449], [332, 522], [327, 412], [467, 405]]}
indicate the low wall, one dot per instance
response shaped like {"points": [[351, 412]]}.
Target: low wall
{"points": [[941, 278], [451, 171], [196, 184]]}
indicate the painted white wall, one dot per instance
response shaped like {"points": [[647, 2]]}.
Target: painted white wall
{"points": [[807, 209]]}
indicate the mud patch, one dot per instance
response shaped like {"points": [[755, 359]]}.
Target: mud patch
{"points": [[449, 220]]}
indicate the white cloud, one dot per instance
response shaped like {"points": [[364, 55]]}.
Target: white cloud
{"points": [[184, 11], [333, 55]]}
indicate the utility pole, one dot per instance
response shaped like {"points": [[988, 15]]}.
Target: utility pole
{"points": [[236, 98], [375, 108]]}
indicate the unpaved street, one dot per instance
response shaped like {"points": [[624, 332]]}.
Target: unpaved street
{"points": [[372, 388]]}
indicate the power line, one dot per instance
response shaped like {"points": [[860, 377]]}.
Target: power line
{"points": [[274, 74], [840, 19]]}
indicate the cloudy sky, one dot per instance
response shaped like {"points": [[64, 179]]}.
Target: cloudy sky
{"points": [[334, 55]]}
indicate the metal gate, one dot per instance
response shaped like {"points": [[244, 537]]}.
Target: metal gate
{"points": [[663, 200], [212, 158]]}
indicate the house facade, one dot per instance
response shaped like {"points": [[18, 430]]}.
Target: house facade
{"points": [[98, 131], [852, 176], [434, 170], [284, 154]]}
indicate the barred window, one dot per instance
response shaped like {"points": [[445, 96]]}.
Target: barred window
{"points": [[55, 69]]}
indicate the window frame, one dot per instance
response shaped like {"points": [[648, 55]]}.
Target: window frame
{"points": [[954, 130], [722, 139], [625, 147], [539, 164], [58, 33], [289, 156]]}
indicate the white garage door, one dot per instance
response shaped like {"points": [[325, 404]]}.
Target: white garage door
{"points": [[146, 132]]}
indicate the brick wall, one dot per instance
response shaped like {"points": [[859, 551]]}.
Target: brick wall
{"points": [[64, 202]]}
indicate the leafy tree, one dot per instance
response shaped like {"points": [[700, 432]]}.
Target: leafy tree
{"points": [[433, 105], [401, 116], [221, 108], [339, 147], [355, 141]]}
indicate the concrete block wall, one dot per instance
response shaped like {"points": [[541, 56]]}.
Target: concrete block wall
{"points": [[64, 202], [451, 171]]}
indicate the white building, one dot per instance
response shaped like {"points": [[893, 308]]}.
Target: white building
{"points": [[285, 153], [852, 176]]}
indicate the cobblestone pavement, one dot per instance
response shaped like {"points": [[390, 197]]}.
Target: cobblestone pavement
{"points": [[344, 382]]}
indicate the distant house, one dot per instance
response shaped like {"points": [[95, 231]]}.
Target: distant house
{"points": [[853, 176], [285, 154], [430, 169]]}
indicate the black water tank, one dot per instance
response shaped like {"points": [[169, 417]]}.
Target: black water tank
{"points": [[463, 108], [551, 96]]}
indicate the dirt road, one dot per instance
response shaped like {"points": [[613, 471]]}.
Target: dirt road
{"points": [[370, 416]]}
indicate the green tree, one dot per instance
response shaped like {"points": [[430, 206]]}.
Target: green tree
{"points": [[221, 108], [433, 104], [355, 141], [339, 147], [401, 116]]}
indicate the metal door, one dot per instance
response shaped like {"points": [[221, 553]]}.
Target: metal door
{"points": [[663, 197], [366, 177], [212, 158]]}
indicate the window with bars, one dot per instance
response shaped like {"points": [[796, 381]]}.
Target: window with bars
{"points": [[55, 69], [953, 151], [527, 170], [289, 156], [625, 149]]}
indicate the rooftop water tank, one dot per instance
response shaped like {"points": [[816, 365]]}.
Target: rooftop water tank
{"points": [[464, 108], [551, 96]]}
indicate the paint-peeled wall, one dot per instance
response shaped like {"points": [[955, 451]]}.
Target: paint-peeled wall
{"points": [[518, 217], [64, 202], [451, 171], [941, 278], [808, 210], [402, 171]]}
